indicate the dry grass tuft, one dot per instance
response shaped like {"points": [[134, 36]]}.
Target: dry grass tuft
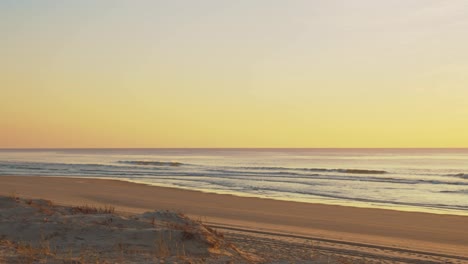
{"points": [[187, 235], [46, 211], [48, 202], [86, 209], [214, 231], [14, 196], [30, 253], [162, 248]]}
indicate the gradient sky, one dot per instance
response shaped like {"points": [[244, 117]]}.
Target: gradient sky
{"points": [[245, 73]]}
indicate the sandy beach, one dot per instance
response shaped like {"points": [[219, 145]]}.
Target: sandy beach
{"points": [[234, 132], [434, 234]]}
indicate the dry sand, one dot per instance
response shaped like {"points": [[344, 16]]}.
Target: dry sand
{"points": [[393, 235]]}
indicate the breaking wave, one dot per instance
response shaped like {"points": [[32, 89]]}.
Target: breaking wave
{"points": [[465, 191], [353, 171], [151, 163], [288, 170], [459, 175]]}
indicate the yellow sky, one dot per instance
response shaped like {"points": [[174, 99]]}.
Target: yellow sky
{"points": [[234, 74]]}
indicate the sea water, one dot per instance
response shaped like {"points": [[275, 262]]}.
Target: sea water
{"points": [[428, 180]]}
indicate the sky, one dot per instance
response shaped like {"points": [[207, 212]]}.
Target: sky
{"points": [[247, 73]]}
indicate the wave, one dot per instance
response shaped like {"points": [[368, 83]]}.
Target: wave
{"points": [[459, 175], [456, 191], [176, 164], [356, 171], [152, 163], [312, 177], [171, 169], [352, 171], [231, 186], [75, 167]]}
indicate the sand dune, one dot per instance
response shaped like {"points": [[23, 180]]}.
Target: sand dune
{"points": [[39, 231]]}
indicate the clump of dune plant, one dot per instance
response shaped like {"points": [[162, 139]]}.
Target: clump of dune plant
{"points": [[86, 209]]}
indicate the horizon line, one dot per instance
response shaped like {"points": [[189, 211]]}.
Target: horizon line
{"points": [[226, 148]]}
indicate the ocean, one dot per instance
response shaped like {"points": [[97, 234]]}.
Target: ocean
{"points": [[423, 180]]}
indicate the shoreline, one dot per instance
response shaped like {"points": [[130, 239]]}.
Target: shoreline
{"points": [[355, 204], [320, 201], [411, 230]]}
